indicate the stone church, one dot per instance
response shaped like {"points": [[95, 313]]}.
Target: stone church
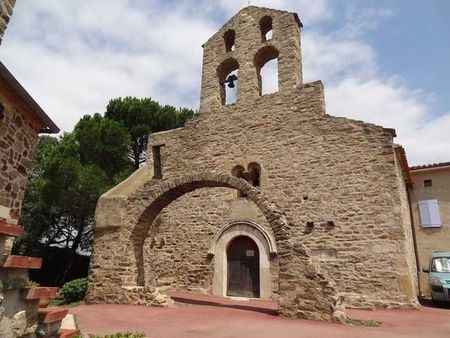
{"points": [[268, 197]]}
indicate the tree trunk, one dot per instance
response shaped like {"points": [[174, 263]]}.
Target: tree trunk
{"points": [[70, 255]]}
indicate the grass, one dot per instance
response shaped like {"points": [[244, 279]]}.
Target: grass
{"points": [[361, 322], [117, 335], [60, 302]]}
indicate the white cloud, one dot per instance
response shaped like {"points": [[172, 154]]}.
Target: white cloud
{"points": [[309, 11], [429, 142], [333, 59], [359, 20], [381, 102], [77, 59], [390, 104], [73, 56]]}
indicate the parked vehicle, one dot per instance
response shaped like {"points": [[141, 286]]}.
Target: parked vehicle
{"points": [[439, 270]]}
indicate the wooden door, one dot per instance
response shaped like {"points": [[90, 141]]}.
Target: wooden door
{"points": [[243, 268]]}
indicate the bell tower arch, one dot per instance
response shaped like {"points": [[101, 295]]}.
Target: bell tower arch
{"points": [[251, 38]]}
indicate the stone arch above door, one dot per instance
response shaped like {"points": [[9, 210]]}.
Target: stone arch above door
{"points": [[303, 292], [266, 246]]}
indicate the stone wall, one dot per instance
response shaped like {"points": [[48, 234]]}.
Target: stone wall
{"points": [[18, 139], [303, 290], [406, 219], [170, 245], [6, 9], [318, 168]]}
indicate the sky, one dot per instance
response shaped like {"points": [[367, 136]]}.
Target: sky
{"points": [[385, 62]]}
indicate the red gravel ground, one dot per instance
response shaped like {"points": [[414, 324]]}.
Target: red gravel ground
{"points": [[207, 316]]}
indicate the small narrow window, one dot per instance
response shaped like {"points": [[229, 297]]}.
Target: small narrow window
{"points": [[239, 171], [266, 28], [427, 183], [429, 214], [157, 164], [2, 111], [229, 38], [254, 171]]}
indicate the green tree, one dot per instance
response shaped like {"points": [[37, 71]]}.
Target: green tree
{"points": [[103, 142], [69, 176], [142, 116]]}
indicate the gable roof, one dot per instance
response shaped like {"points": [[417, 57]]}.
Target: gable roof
{"points": [[6, 75]]}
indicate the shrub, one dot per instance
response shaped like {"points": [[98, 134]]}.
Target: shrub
{"points": [[74, 290], [121, 335]]}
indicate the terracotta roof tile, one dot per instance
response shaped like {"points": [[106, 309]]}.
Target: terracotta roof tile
{"points": [[428, 166]]}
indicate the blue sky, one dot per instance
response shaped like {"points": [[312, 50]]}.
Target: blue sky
{"points": [[412, 41], [385, 62]]}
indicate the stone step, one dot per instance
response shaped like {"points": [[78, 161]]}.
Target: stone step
{"points": [[10, 229], [51, 314], [39, 292], [21, 262], [68, 333]]}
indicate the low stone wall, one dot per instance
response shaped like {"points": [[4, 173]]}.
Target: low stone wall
{"points": [[17, 317]]}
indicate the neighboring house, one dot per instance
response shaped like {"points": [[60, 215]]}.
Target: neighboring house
{"points": [[21, 121], [237, 201], [430, 205]]}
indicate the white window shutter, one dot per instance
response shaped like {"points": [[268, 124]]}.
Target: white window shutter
{"points": [[435, 217], [429, 213]]}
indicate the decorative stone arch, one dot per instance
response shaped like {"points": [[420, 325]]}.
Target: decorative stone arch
{"points": [[266, 245], [303, 291], [229, 38], [265, 54], [223, 70], [265, 25]]}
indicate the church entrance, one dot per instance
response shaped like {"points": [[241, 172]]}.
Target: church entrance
{"points": [[243, 268]]}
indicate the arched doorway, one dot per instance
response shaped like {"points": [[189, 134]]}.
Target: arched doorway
{"points": [[243, 268]]}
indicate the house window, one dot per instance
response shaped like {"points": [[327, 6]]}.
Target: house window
{"points": [[429, 214], [427, 183]]}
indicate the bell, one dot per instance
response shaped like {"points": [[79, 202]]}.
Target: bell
{"points": [[231, 80]]}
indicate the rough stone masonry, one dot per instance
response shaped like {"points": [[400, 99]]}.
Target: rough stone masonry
{"points": [[6, 9], [323, 198]]}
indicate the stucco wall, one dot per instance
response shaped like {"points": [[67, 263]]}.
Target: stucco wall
{"points": [[430, 240]]}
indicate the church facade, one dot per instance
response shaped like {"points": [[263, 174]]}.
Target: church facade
{"points": [[268, 197]]}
